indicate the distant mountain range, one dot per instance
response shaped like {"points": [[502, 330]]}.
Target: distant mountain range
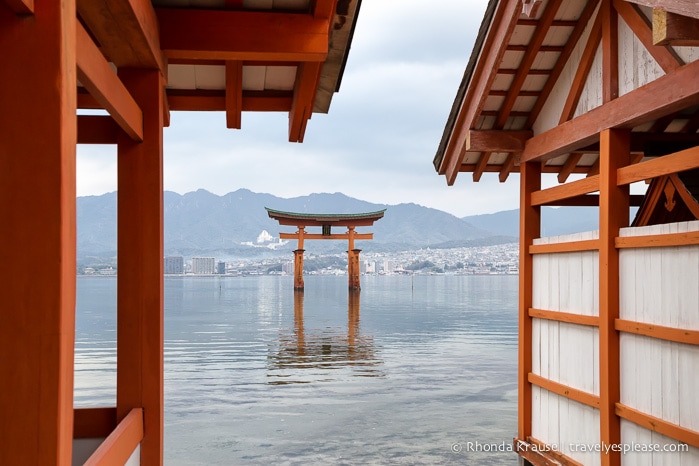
{"points": [[236, 225]]}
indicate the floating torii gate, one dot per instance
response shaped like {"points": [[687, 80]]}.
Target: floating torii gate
{"points": [[326, 222]]}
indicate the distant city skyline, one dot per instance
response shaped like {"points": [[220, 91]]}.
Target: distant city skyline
{"points": [[376, 144]]}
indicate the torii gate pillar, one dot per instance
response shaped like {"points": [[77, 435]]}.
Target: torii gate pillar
{"points": [[353, 269], [298, 270]]}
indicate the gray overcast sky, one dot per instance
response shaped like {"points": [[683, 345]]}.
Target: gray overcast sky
{"points": [[376, 144]]}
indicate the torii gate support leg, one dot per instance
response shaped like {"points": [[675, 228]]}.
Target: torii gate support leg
{"points": [[298, 270], [353, 269]]}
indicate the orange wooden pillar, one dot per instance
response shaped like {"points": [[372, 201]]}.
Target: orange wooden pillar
{"points": [[298, 270], [352, 261], [38, 215], [614, 214], [140, 258], [529, 229]]}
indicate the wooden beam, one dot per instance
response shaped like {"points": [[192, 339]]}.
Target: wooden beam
{"points": [[140, 256], [97, 129], [127, 31], [565, 391], [680, 7], [678, 335], [557, 316], [496, 140], [324, 9], [610, 51], [242, 35], [658, 425], [120, 444], [567, 246], [21, 7], [613, 215], [658, 241], [529, 229], [216, 101], [525, 67], [666, 57], [667, 94], [38, 236], [357, 236], [583, 70], [678, 162], [100, 80], [484, 73], [673, 29], [307, 78], [234, 94], [566, 191]]}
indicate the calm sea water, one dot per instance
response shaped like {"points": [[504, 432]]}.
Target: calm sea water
{"points": [[408, 371]]}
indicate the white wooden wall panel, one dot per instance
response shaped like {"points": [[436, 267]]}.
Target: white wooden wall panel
{"points": [[559, 421], [636, 66], [591, 96], [687, 54], [633, 434]]}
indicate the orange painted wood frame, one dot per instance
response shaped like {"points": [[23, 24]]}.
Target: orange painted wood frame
{"points": [[538, 453], [658, 241], [558, 316], [564, 390], [38, 233], [661, 426], [140, 257], [566, 191], [21, 7], [103, 84], [678, 335], [567, 246], [120, 444], [679, 161], [615, 151], [529, 229]]}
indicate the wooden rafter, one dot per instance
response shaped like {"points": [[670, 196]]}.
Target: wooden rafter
{"points": [[484, 74], [480, 166], [524, 68], [680, 7], [127, 31], [100, 80], [665, 56], [692, 124], [579, 28], [584, 66], [568, 167], [610, 51], [234, 94], [667, 94], [307, 77], [324, 9], [507, 168], [241, 35], [21, 7], [673, 29]]}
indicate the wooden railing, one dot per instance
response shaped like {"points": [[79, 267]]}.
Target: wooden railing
{"points": [[120, 441]]}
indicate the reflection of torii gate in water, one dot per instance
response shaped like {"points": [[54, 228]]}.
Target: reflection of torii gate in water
{"points": [[326, 221]]}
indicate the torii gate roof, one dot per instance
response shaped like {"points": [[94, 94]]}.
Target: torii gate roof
{"points": [[308, 219]]}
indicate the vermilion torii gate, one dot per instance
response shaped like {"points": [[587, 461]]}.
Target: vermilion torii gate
{"points": [[326, 222]]}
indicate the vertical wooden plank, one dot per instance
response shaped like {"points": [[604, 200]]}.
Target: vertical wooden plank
{"points": [[37, 207], [614, 215], [140, 256], [529, 228]]}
